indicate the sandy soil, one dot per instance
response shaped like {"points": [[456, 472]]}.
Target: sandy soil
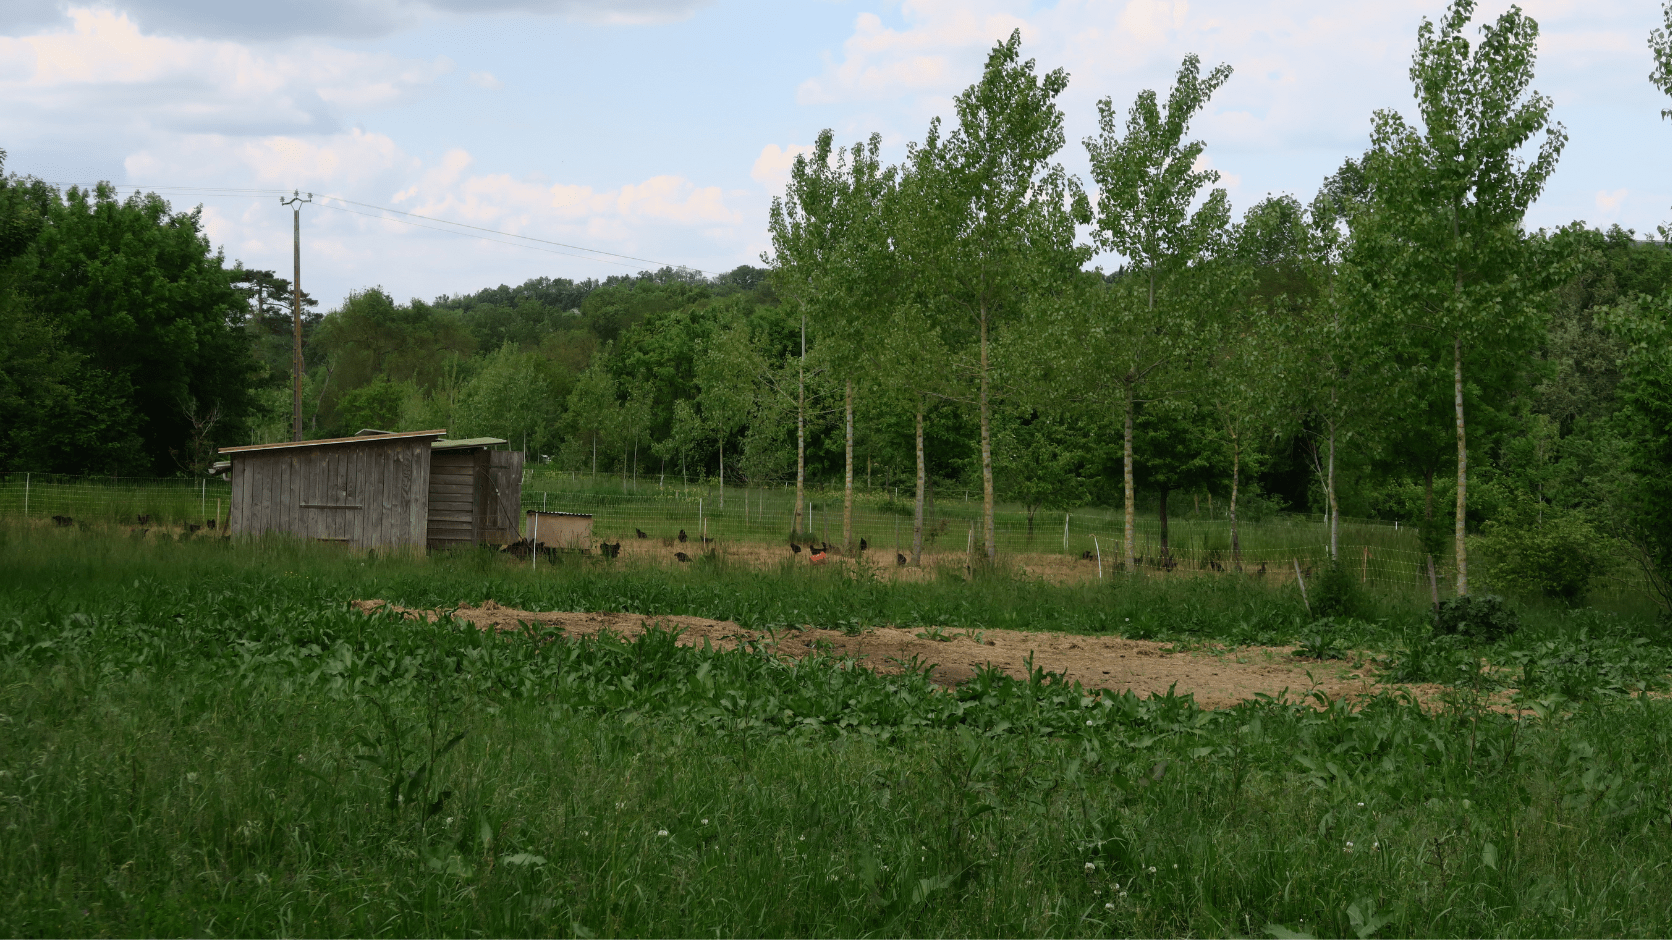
{"points": [[1218, 677]]}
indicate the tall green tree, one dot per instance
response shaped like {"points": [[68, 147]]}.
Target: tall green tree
{"points": [[1147, 181], [1442, 250], [136, 295], [806, 241], [1000, 219]]}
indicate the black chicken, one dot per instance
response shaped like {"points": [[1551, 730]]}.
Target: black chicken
{"points": [[682, 556], [795, 548], [899, 559], [640, 533], [682, 536]]}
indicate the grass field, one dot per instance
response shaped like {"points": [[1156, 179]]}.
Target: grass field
{"points": [[200, 737]]}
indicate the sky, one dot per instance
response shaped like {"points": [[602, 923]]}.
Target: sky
{"points": [[640, 133]]}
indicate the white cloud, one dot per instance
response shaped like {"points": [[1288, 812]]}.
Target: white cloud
{"points": [[1609, 202], [1230, 182], [772, 167], [485, 80], [356, 19], [925, 57], [120, 81]]}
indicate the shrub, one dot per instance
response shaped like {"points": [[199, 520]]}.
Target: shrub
{"points": [[1548, 551], [1336, 595], [1483, 617]]}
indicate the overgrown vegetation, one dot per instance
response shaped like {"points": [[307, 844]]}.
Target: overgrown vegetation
{"points": [[202, 738]]}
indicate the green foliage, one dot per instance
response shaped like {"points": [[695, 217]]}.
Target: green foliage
{"points": [[1645, 425], [302, 764], [1336, 593], [1660, 43], [131, 362], [1543, 550], [1483, 618]]}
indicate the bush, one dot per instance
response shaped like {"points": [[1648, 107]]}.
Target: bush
{"points": [[1543, 550], [1335, 594], [1482, 617]]}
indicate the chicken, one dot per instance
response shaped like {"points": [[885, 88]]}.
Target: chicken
{"points": [[682, 535], [682, 556]]}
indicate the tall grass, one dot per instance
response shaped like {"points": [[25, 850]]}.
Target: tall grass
{"points": [[200, 738]]}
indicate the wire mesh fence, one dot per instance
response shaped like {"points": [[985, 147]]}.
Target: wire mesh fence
{"points": [[1276, 547], [113, 500]]}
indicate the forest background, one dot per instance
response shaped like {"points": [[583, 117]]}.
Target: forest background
{"points": [[1397, 347]]}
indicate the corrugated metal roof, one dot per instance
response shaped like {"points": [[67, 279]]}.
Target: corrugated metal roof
{"points": [[368, 439], [466, 442]]}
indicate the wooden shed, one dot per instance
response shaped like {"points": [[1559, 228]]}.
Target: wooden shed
{"points": [[378, 490], [475, 493]]}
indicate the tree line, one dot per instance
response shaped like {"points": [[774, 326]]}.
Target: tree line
{"points": [[1398, 346]]}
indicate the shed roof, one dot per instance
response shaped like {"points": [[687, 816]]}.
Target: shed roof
{"points": [[329, 441], [465, 443]]}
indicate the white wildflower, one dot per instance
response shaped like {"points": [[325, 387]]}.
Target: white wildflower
{"points": [[1109, 906], [661, 832], [1091, 867]]}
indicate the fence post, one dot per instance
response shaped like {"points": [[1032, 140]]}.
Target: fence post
{"points": [[26, 496], [1099, 557], [1065, 533]]}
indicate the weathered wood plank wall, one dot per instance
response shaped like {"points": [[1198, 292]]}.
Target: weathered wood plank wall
{"points": [[366, 495]]}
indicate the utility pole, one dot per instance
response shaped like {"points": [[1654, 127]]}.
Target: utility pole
{"points": [[296, 201]]}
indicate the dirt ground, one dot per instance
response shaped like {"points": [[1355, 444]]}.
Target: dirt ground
{"points": [[1218, 677]]}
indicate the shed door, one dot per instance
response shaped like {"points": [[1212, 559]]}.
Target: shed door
{"points": [[502, 506], [453, 482], [332, 505]]}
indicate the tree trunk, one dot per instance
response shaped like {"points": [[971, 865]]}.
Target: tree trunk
{"points": [[800, 431], [1236, 535], [1462, 468], [847, 492], [1334, 503], [917, 514], [988, 536], [1129, 547], [722, 471], [1166, 554]]}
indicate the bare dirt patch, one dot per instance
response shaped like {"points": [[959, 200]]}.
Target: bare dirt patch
{"points": [[1218, 677]]}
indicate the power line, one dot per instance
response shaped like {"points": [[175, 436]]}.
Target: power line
{"points": [[594, 254]]}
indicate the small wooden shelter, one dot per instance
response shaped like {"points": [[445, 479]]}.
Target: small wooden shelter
{"points": [[570, 531], [378, 490]]}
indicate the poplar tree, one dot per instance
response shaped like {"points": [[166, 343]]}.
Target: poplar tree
{"points": [[998, 219], [1441, 252], [804, 236], [1147, 180]]}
